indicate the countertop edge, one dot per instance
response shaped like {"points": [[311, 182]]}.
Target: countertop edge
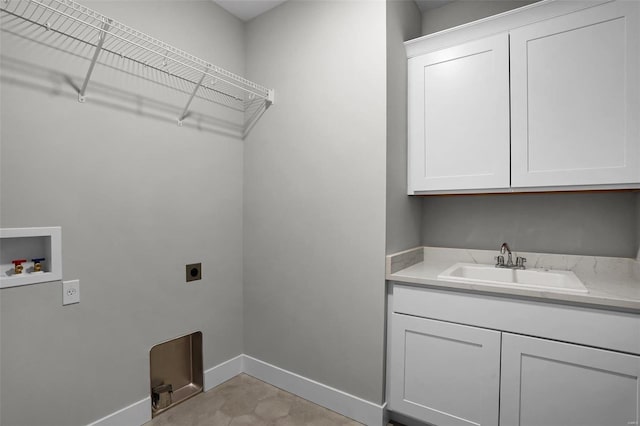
{"points": [[407, 259], [541, 296]]}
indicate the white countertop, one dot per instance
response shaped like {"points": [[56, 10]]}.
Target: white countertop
{"points": [[610, 281]]}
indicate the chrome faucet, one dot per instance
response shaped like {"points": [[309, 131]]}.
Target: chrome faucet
{"points": [[504, 248]]}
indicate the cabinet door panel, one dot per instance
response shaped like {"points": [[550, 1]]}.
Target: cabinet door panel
{"points": [[459, 117], [547, 383], [444, 373], [574, 99]]}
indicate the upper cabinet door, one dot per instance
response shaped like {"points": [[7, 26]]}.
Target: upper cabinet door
{"points": [[459, 117], [575, 93]]}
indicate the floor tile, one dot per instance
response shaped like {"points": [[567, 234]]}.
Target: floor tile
{"points": [[247, 401]]}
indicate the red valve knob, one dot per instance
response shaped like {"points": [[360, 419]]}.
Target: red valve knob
{"points": [[17, 269]]}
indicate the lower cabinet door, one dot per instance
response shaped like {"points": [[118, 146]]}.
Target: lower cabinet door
{"points": [[444, 373], [547, 383]]}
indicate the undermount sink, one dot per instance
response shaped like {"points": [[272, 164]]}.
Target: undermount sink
{"points": [[536, 279]]}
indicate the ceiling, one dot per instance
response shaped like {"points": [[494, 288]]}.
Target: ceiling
{"points": [[431, 4], [246, 10]]}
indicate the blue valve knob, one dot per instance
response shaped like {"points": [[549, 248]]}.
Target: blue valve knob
{"points": [[37, 264]]}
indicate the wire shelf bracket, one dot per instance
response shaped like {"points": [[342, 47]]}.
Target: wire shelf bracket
{"points": [[185, 111], [96, 53], [69, 22]]}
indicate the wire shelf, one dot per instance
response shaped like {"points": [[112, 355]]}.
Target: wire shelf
{"points": [[73, 27]]}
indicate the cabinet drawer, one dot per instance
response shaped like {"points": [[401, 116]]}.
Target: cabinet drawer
{"points": [[592, 327]]}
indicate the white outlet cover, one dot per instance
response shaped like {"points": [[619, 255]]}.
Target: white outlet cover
{"points": [[70, 292]]}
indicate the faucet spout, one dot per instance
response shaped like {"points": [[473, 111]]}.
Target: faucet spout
{"points": [[504, 248]]}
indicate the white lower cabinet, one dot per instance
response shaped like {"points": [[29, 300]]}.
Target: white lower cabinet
{"points": [[483, 372], [548, 383], [448, 374]]}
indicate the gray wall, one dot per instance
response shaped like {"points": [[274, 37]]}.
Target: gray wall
{"points": [[570, 223], [404, 214], [462, 11], [314, 194], [137, 198], [601, 224], [638, 225]]}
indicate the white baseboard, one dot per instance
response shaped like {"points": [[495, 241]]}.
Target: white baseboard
{"points": [[223, 372], [135, 414], [341, 402]]}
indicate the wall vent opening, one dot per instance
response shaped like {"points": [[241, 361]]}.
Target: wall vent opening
{"points": [[176, 371]]}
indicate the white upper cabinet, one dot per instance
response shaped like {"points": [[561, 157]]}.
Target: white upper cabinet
{"points": [[459, 114], [542, 98], [574, 99]]}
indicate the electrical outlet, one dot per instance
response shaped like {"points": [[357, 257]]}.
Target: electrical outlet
{"points": [[70, 292], [194, 272]]}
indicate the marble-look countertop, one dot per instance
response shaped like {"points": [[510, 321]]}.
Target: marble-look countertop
{"points": [[612, 282]]}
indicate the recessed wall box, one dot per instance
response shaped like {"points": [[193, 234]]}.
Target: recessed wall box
{"points": [[44, 244], [176, 371]]}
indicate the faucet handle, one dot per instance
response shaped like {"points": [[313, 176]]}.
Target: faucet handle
{"points": [[499, 261], [520, 262]]}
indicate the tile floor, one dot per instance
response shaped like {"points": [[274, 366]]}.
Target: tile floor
{"points": [[247, 401]]}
